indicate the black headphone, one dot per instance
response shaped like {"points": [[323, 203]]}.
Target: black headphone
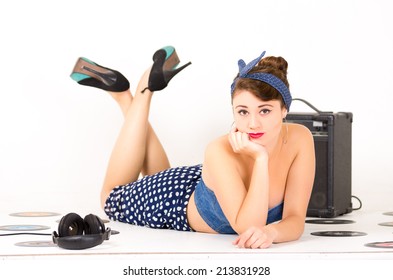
{"points": [[76, 233]]}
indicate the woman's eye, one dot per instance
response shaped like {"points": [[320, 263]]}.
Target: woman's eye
{"points": [[242, 112], [265, 111]]}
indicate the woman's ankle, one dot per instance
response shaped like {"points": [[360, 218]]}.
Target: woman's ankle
{"points": [[123, 99], [144, 81]]}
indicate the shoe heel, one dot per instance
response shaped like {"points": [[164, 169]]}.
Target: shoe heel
{"points": [[168, 75]]}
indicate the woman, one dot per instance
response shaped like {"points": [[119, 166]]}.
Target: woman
{"points": [[260, 173]]}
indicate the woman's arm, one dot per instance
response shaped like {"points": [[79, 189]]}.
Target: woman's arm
{"points": [[242, 205], [298, 190], [297, 194]]}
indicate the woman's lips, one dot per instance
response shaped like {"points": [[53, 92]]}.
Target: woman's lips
{"points": [[256, 135]]}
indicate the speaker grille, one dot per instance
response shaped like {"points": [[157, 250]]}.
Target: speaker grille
{"points": [[319, 197]]}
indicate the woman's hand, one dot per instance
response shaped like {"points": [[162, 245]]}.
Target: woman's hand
{"points": [[256, 238], [241, 144]]}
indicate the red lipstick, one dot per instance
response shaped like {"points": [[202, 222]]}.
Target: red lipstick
{"points": [[256, 135]]}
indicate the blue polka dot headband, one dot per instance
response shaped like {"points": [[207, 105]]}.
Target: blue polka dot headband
{"points": [[270, 79]]}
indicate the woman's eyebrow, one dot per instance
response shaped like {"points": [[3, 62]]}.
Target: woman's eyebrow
{"points": [[260, 106], [241, 106]]}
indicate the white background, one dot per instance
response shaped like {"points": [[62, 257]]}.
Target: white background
{"points": [[56, 136]]}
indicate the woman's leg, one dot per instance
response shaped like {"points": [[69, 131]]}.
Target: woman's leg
{"points": [[137, 149]]}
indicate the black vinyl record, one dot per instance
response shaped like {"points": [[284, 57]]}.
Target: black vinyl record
{"points": [[338, 233], [329, 221], [386, 224], [105, 221], [384, 244]]}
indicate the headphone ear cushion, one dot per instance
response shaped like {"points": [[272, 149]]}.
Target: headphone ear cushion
{"points": [[70, 225], [93, 225]]}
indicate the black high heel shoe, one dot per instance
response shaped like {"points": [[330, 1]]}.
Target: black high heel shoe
{"points": [[163, 69], [89, 73]]}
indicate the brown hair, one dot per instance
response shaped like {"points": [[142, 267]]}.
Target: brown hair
{"points": [[276, 66]]}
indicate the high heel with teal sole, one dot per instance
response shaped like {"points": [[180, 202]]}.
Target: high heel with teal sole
{"points": [[164, 68], [89, 73]]}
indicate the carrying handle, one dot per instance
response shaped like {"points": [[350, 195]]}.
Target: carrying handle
{"points": [[312, 106]]}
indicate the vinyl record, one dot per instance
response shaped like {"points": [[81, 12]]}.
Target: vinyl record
{"points": [[105, 221], [339, 233], [385, 244], [388, 213], [34, 214], [23, 227], [386, 224], [329, 221], [36, 244]]}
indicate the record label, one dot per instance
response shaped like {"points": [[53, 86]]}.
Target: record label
{"points": [[36, 244], [34, 214], [329, 221], [385, 244], [338, 233], [23, 227]]}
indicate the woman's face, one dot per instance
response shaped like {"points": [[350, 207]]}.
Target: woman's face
{"points": [[261, 120]]}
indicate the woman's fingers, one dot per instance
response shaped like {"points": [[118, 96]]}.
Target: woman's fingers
{"points": [[253, 238]]}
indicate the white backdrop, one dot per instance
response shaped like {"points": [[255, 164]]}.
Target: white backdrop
{"points": [[56, 136]]}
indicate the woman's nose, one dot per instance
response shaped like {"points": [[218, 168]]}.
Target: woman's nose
{"points": [[254, 123]]}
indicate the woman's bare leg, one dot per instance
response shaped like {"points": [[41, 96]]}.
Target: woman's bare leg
{"points": [[137, 149], [155, 158]]}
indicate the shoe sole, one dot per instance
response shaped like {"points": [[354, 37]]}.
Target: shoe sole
{"points": [[92, 70]]}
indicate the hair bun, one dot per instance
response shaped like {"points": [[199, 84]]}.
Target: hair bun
{"points": [[275, 62]]}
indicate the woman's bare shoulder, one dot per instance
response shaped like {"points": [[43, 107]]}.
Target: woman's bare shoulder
{"points": [[298, 133], [219, 144], [298, 128], [219, 149]]}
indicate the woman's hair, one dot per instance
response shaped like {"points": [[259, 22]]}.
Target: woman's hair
{"points": [[276, 66]]}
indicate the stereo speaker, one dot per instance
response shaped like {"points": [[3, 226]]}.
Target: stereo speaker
{"points": [[332, 132]]}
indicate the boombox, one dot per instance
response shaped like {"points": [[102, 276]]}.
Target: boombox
{"points": [[332, 132]]}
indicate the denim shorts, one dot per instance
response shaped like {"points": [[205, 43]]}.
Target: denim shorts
{"points": [[211, 212]]}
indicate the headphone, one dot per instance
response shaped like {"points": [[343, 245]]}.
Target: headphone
{"points": [[76, 233]]}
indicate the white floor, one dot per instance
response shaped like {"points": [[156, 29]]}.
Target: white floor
{"points": [[135, 241], [140, 246]]}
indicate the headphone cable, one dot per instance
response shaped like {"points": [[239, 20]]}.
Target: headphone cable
{"points": [[113, 232]]}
